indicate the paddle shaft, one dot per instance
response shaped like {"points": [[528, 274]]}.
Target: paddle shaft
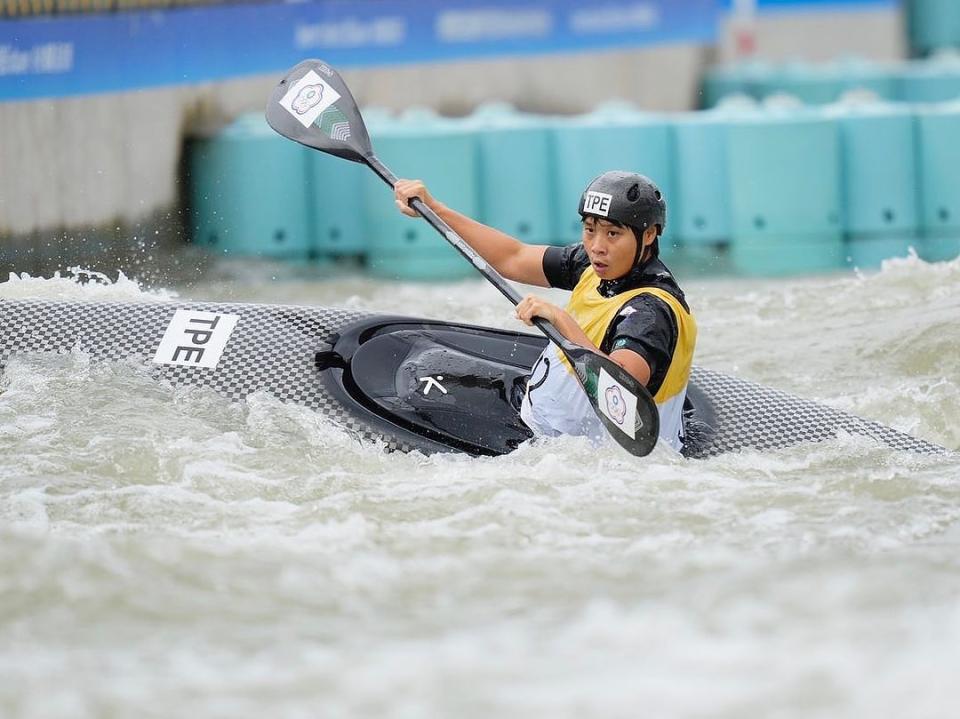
{"points": [[481, 265]]}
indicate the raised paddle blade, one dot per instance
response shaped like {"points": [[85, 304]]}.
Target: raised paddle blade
{"points": [[312, 105], [623, 405]]}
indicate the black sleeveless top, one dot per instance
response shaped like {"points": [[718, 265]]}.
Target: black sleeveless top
{"points": [[645, 324]]}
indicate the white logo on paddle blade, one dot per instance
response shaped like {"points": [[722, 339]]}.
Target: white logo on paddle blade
{"points": [[308, 98], [616, 407], [618, 404], [431, 383]]}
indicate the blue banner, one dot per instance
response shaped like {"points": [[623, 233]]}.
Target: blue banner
{"points": [[56, 57], [763, 5]]}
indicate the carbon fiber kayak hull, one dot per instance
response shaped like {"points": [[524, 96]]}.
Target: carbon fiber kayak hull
{"points": [[369, 373]]}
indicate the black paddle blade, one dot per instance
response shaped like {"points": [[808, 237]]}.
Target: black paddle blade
{"points": [[313, 106], [623, 405]]}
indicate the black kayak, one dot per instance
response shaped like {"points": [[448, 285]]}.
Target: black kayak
{"points": [[414, 384]]}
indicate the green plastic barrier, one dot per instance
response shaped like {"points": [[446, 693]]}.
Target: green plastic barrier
{"points": [[821, 84], [723, 81], [938, 128], [700, 211], [615, 137], [248, 192], [933, 24], [338, 217], [878, 155], [784, 176], [516, 174], [207, 204], [444, 155], [936, 80], [700, 207], [812, 84]]}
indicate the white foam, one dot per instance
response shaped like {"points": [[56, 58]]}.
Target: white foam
{"points": [[240, 559], [80, 284]]}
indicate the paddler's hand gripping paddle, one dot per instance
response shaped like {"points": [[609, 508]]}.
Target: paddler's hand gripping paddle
{"points": [[313, 106]]}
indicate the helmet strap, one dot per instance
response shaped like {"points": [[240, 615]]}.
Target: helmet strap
{"points": [[641, 253]]}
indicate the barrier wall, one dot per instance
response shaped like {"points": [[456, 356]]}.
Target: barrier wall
{"points": [[931, 80], [754, 190], [933, 25]]}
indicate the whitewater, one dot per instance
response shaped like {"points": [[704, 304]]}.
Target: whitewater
{"points": [[165, 552]]}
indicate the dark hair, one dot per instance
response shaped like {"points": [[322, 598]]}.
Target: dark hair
{"points": [[654, 246]]}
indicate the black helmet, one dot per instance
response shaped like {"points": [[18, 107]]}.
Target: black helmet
{"points": [[626, 197]]}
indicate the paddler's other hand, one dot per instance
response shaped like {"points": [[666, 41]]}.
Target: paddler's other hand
{"points": [[532, 306], [406, 190]]}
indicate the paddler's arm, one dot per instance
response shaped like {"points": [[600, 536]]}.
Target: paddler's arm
{"points": [[532, 306], [512, 258]]}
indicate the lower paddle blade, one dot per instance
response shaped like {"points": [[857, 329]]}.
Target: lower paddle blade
{"points": [[623, 405], [312, 105]]}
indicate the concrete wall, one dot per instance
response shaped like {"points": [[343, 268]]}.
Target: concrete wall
{"points": [[873, 34], [109, 164], [103, 172]]}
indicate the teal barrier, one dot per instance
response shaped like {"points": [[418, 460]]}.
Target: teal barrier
{"points": [[615, 137], [784, 175], [933, 24], [699, 213], [206, 165], [336, 206], [766, 190], [826, 83], [750, 78], [516, 174], [935, 80], [444, 155], [337, 213], [722, 81], [939, 180], [879, 194], [248, 190], [812, 84]]}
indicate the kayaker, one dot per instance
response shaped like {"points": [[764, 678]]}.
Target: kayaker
{"points": [[625, 303]]}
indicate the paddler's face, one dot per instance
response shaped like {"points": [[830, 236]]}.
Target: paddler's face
{"points": [[611, 248]]}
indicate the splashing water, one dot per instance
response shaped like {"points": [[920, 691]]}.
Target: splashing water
{"points": [[164, 552]]}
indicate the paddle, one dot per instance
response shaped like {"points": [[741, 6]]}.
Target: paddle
{"points": [[313, 106]]}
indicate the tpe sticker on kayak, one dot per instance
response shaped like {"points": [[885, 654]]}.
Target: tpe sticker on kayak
{"points": [[617, 403], [195, 339], [308, 98]]}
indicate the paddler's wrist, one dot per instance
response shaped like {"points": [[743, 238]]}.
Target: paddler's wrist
{"points": [[441, 210], [570, 329]]}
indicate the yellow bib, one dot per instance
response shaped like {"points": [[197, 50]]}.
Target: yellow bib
{"points": [[594, 313]]}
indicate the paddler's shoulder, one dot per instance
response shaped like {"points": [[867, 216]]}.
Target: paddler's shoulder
{"points": [[656, 274]]}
